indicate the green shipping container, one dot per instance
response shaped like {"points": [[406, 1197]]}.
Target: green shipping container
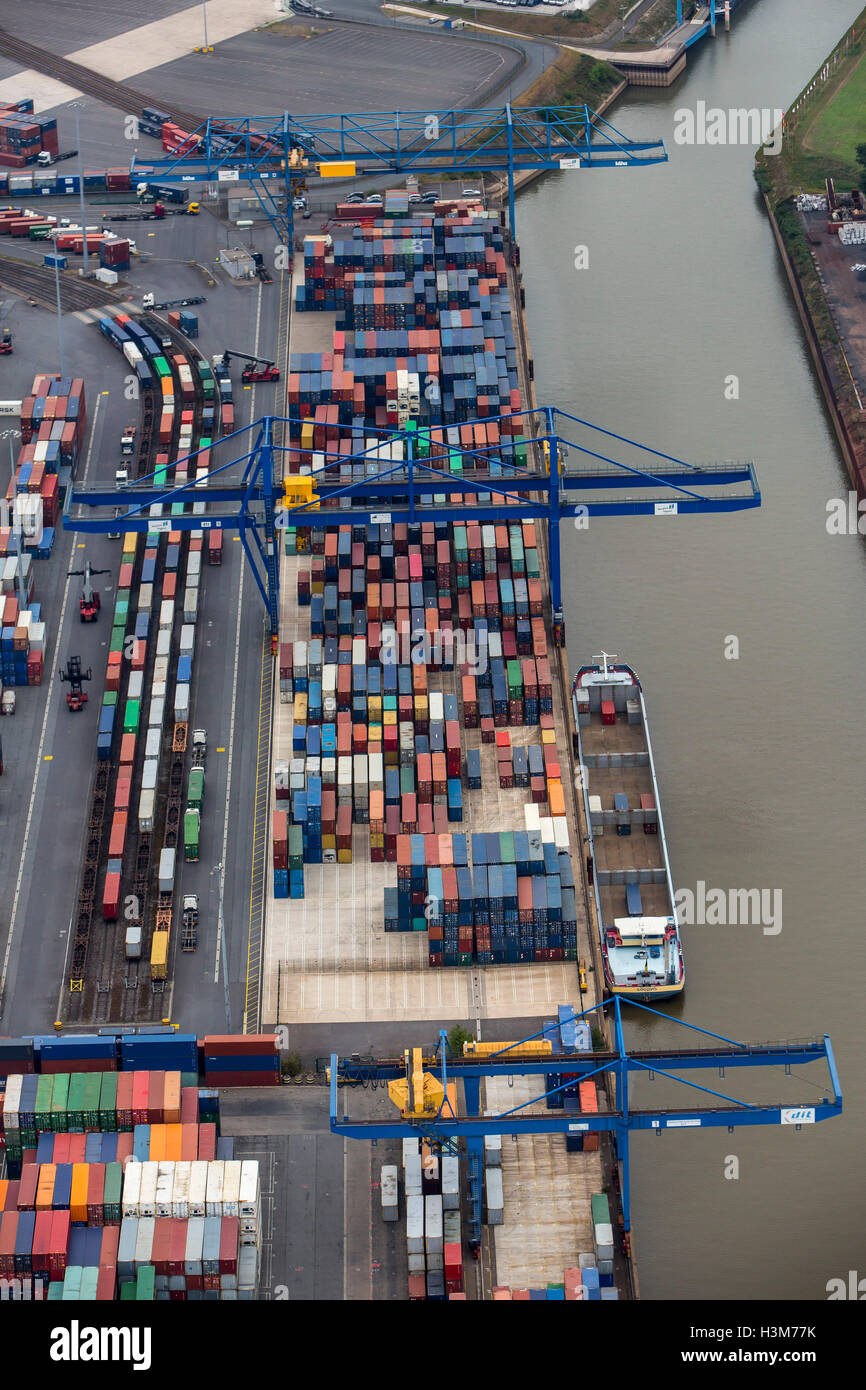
{"points": [[407, 781], [296, 847], [127, 1291], [145, 1284], [506, 847], [92, 1086], [118, 637], [108, 1102], [196, 788], [191, 822], [131, 716], [112, 1192], [55, 1292], [89, 1276], [72, 1284], [109, 698], [600, 1209], [59, 1098], [43, 1102], [75, 1103]]}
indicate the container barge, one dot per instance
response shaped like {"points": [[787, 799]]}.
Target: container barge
{"points": [[639, 935]]}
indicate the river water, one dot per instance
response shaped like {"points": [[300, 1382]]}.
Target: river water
{"points": [[759, 757]]}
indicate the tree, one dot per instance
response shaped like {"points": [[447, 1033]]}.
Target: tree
{"points": [[291, 1064], [457, 1037]]}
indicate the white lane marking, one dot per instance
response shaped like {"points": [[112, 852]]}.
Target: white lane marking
{"points": [[231, 742], [51, 685]]}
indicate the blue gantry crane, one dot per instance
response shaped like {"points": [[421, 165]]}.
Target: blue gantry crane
{"points": [[255, 492], [710, 1052], [274, 153]]}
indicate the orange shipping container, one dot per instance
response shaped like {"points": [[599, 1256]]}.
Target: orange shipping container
{"points": [[157, 1143], [173, 1144], [78, 1193], [45, 1187], [556, 798]]}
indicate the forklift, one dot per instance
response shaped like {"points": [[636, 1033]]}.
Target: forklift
{"points": [[76, 696], [6, 348], [258, 369], [88, 604]]}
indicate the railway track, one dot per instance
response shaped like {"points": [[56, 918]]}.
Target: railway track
{"points": [[37, 282], [84, 79]]}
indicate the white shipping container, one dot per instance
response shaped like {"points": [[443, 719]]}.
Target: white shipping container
{"points": [[153, 741], [531, 816], [388, 1190], [145, 598], [144, 1240], [194, 1245], [166, 615], [37, 637], [145, 812], [410, 1146], [156, 713], [164, 1188], [433, 1224], [359, 651], [180, 1190], [193, 566], [450, 1182], [493, 1192], [436, 704], [163, 644], [250, 1191], [198, 1188], [167, 862], [187, 640], [248, 1267], [149, 775], [159, 689], [132, 943], [231, 1187], [412, 1175], [134, 688], [131, 1189], [132, 353], [190, 605], [493, 1150], [147, 1193], [181, 704], [160, 669], [214, 1204], [560, 832], [415, 1225], [417, 1264]]}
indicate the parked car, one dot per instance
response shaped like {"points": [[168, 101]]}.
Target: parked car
{"points": [[355, 198], [470, 193]]}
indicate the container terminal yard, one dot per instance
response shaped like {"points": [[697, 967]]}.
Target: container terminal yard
{"points": [[313, 740]]}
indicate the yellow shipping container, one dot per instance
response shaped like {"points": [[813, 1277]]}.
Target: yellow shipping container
{"points": [[130, 542], [548, 736], [344, 856], [300, 709], [537, 1047], [307, 435], [337, 169], [159, 955]]}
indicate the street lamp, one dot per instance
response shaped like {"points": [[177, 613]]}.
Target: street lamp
{"points": [[59, 310], [207, 48], [75, 106]]}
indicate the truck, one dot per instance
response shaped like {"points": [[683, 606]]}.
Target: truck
{"points": [[127, 441], [189, 931], [191, 827], [199, 747]]}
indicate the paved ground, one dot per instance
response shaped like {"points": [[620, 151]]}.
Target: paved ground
{"points": [[323, 1235], [845, 292]]}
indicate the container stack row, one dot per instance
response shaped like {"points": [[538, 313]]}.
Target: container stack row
{"points": [[24, 136], [433, 1230], [515, 903], [145, 1230], [23, 640], [252, 1059]]}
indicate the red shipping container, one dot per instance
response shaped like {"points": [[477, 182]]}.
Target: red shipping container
{"points": [[240, 1044], [8, 1232], [106, 1283], [140, 1087], [108, 1248], [41, 1242], [159, 1254], [125, 1087], [117, 839], [229, 1239], [177, 1247], [111, 898], [207, 1141], [189, 1105], [95, 1191], [27, 1188], [127, 750], [60, 1226], [156, 1098]]}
